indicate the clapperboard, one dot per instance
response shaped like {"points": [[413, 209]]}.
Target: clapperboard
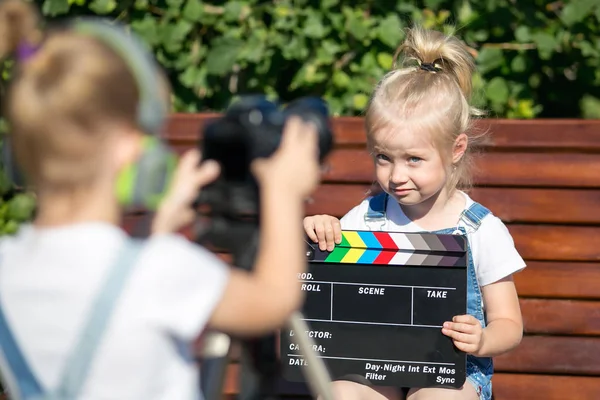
{"points": [[375, 306]]}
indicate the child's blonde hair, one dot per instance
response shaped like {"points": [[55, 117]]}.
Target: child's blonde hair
{"points": [[63, 100], [429, 91]]}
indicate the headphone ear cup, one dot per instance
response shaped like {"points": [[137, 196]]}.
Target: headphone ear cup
{"points": [[145, 182]]}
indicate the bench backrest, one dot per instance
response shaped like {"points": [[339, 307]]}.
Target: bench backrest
{"points": [[542, 177]]}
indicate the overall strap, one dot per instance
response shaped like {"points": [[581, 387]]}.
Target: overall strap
{"points": [[376, 213], [26, 382], [474, 215], [78, 364]]}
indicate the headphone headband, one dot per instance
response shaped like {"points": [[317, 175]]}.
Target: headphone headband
{"points": [[152, 110]]}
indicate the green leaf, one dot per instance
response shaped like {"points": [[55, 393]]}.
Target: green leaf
{"points": [[497, 90], [233, 10], [522, 34], [385, 60], [21, 207], [327, 4], [222, 55], [103, 6], [489, 58], [576, 11], [173, 35], [465, 13], [590, 107], [341, 79], [314, 28], [546, 44], [254, 49], [295, 49], [147, 29], [55, 7], [389, 31], [360, 101], [356, 26], [433, 4], [192, 10], [519, 63]]}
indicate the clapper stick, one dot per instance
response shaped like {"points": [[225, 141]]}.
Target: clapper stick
{"points": [[316, 374]]}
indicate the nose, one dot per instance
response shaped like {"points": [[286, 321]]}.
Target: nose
{"points": [[399, 175]]}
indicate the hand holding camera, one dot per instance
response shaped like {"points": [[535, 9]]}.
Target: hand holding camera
{"points": [[293, 170]]}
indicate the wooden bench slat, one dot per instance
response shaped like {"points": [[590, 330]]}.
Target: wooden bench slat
{"points": [[556, 243], [559, 280], [553, 355], [554, 206], [511, 134], [493, 169], [561, 317]]}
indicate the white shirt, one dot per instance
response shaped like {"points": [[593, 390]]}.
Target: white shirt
{"points": [[493, 250], [49, 277]]}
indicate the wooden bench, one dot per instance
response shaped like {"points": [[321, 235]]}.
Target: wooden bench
{"points": [[542, 177]]}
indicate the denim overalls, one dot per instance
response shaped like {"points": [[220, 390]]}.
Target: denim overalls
{"points": [[479, 370]]}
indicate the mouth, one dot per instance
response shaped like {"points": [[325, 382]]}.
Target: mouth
{"points": [[402, 192]]}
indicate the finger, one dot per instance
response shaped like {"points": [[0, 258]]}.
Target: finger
{"points": [[189, 161], [258, 166], [291, 132], [465, 347], [467, 319], [337, 228], [309, 228], [209, 171], [460, 327], [330, 236], [320, 230], [459, 336]]}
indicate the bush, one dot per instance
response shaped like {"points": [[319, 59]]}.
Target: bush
{"points": [[536, 59]]}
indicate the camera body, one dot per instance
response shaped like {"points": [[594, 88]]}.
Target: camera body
{"points": [[252, 128]]}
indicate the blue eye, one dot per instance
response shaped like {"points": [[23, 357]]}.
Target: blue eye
{"points": [[414, 160], [382, 157]]}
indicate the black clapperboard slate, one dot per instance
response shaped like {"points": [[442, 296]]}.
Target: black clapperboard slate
{"points": [[375, 306]]}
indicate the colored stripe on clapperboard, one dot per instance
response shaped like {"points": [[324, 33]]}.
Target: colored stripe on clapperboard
{"points": [[363, 247]]}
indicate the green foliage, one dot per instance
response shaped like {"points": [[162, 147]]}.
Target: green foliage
{"points": [[537, 59]]}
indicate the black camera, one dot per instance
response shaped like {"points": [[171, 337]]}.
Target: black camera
{"points": [[252, 128]]}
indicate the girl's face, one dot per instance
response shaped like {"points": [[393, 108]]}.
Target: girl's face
{"points": [[407, 164]]}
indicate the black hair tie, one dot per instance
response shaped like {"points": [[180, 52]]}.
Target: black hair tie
{"points": [[430, 67]]}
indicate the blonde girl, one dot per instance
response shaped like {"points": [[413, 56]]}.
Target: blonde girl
{"points": [[418, 125], [74, 114]]}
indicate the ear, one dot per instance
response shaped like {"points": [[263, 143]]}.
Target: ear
{"points": [[460, 147]]}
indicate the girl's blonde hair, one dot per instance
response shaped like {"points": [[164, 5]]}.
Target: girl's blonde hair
{"points": [[64, 100], [429, 91]]}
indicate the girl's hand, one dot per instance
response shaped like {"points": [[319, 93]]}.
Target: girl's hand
{"points": [[466, 333], [325, 230], [176, 210], [294, 167]]}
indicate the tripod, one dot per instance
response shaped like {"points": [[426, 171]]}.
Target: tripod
{"points": [[259, 361]]}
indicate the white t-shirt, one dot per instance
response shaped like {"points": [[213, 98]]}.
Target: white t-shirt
{"points": [[49, 277], [493, 250]]}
